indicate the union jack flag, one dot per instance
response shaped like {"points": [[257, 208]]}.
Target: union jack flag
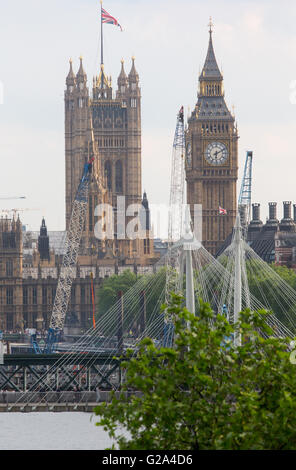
{"points": [[108, 19], [222, 211]]}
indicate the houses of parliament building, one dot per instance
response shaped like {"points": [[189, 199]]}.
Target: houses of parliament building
{"points": [[106, 126]]}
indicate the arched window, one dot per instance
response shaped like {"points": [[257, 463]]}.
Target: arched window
{"points": [[108, 174], [118, 178]]}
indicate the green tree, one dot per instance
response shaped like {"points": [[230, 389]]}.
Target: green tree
{"points": [[133, 285], [204, 393], [108, 292], [269, 290], [287, 274]]}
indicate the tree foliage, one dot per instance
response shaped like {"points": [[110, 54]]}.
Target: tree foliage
{"points": [[108, 292], [133, 285], [267, 289], [204, 393], [287, 274]]}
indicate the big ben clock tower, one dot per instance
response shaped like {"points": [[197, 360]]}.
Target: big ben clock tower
{"points": [[212, 156]]}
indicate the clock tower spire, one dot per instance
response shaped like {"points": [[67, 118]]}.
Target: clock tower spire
{"points": [[212, 155]]}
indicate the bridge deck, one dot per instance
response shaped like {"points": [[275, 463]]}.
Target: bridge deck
{"points": [[51, 359], [47, 407]]}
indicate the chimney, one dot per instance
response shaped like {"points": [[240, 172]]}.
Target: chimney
{"points": [[287, 224], [287, 209], [256, 212], [272, 210], [272, 222], [255, 224]]}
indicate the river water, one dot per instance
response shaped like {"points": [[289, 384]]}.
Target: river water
{"points": [[51, 431]]}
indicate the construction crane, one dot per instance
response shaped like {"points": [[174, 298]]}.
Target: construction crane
{"points": [[244, 200], [15, 211], [68, 270], [177, 181], [175, 220]]}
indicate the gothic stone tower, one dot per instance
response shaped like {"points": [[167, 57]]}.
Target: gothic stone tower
{"points": [[80, 146], [113, 126], [117, 127], [212, 156]]}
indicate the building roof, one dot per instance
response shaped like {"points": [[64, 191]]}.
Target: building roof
{"points": [[213, 107], [263, 244], [210, 69], [56, 241], [211, 103]]}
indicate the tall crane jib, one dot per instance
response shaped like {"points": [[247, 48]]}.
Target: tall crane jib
{"points": [[244, 200], [68, 270], [177, 180], [175, 217]]}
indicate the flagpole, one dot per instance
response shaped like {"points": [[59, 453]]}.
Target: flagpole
{"points": [[102, 58]]}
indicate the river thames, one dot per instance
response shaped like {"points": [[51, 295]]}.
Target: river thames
{"points": [[51, 431]]}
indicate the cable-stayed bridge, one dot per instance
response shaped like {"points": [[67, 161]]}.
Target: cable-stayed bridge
{"points": [[238, 279], [229, 284]]}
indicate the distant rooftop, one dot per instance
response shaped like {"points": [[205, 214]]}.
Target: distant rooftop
{"points": [[56, 241]]}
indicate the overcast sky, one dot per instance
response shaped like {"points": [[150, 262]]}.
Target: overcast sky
{"points": [[255, 46]]}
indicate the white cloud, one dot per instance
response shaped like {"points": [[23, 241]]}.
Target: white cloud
{"points": [[254, 42]]}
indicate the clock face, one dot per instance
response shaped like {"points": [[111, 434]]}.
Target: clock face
{"points": [[216, 153], [188, 154]]}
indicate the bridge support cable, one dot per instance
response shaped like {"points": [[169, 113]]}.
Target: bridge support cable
{"points": [[252, 283], [176, 205]]}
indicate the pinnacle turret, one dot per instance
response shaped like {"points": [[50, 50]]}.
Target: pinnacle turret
{"points": [[122, 78], [145, 213], [43, 228], [43, 242], [210, 69], [102, 86], [81, 75], [145, 200], [133, 75], [70, 80], [18, 223]]}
